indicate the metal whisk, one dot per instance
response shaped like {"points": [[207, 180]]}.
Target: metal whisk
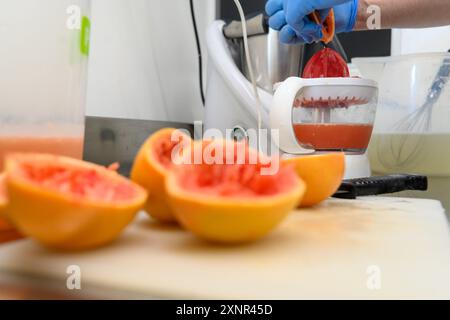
{"points": [[419, 121]]}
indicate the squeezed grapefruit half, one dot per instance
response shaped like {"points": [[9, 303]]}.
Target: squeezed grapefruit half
{"points": [[66, 203], [231, 202], [152, 165], [322, 174]]}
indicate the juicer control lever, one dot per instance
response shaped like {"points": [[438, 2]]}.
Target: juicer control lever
{"points": [[351, 189], [256, 24], [238, 133]]}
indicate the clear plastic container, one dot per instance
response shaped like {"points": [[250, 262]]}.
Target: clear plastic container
{"points": [[43, 73], [412, 127]]}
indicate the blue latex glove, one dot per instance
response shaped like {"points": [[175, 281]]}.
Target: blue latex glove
{"points": [[290, 17]]}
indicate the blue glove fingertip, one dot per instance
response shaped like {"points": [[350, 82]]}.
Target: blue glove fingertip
{"points": [[272, 6], [294, 15], [277, 21], [287, 35], [311, 31], [307, 39]]}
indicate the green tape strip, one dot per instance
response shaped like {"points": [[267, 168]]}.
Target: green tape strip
{"points": [[85, 35]]}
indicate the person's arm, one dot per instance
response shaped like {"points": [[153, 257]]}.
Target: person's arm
{"points": [[405, 13]]}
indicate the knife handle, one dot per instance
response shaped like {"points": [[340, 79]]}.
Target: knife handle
{"points": [[351, 189]]}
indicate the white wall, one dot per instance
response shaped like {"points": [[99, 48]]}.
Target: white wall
{"points": [[406, 41], [143, 61]]}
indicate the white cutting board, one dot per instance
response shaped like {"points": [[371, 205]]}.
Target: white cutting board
{"points": [[400, 247]]}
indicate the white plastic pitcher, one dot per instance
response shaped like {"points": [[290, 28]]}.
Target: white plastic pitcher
{"points": [[409, 135], [43, 73]]}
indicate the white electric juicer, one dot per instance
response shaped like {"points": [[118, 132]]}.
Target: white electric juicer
{"points": [[231, 105]]}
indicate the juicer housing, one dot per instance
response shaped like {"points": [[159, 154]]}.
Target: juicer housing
{"points": [[324, 114]]}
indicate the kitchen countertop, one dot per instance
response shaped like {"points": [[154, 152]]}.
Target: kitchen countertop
{"points": [[372, 248]]}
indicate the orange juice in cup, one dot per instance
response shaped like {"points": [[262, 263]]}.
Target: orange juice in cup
{"points": [[43, 76], [67, 146]]}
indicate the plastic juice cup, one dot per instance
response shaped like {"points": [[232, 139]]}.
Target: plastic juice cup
{"points": [[45, 48]]}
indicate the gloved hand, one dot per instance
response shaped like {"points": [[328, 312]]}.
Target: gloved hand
{"points": [[290, 17]]}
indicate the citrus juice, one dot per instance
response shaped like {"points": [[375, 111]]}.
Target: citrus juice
{"points": [[334, 136], [67, 146], [427, 154]]}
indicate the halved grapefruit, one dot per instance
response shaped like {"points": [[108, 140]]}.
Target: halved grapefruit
{"points": [[66, 203], [321, 173], [326, 63], [7, 232], [4, 225], [231, 202], [3, 197], [152, 165]]}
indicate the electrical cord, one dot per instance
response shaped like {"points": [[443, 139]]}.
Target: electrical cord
{"points": [[250, 69], [199, 52]]}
